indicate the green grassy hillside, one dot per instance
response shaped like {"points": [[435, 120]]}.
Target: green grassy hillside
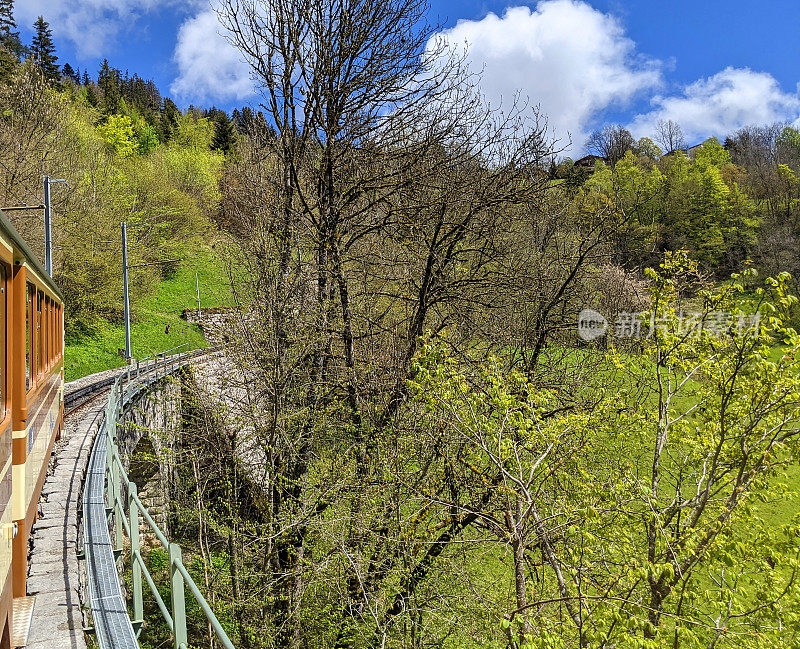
{"points": [[96, 350]]}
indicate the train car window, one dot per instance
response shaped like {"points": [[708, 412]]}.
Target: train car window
{"points": [[28, 337], [3, 333], [45, 359], [52, 332], [47, 332], [39, 355]]}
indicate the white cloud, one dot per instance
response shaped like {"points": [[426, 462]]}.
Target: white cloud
{"points": [[92, 25], [565, 56], [209, 67], [721, 104]]}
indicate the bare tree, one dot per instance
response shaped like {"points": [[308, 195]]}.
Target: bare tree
{"points": [[611, 143], [378, 212], [670, 136]]}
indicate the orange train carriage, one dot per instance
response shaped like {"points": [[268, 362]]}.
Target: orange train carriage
{"points": [[31, 404]]}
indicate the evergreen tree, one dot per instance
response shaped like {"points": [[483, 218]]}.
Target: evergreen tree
{"points": [[43, 50], [142, 94], [109, 82], [7, 22], [91, 94], [70, 73], [11, 49], [86, 79], [9, 36], [248, 120], [224, 132], [262, 128], [169, 120]]}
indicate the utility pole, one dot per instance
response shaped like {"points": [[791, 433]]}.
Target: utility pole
{"points": [[48, 240], [48, 224], [126, 293], [197, 285], [125, 285]]}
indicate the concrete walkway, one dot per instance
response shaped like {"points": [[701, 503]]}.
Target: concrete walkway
{"points": [[55, 577]]}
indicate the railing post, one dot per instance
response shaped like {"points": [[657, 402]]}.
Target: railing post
{"points": [[178, 598], [136, 568]]}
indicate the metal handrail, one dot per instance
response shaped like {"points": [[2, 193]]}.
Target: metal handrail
{"points": [[127, 385]]}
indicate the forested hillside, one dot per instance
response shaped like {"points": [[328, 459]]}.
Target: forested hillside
{"points": [[127, 154], [449, 452]]}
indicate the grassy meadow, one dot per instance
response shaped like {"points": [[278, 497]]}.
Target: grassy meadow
{"points": [[97, 349]]}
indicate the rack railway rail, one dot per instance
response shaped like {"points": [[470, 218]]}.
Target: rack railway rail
{"points": [[109, 490]]}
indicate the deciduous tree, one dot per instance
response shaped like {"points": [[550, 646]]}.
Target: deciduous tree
{"points": [[670, 136], [611, 143]]}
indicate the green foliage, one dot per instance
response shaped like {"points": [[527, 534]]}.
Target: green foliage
{"points": [[194, 132], [641, 508], [146, 135], [117, 171], [192, 165], [11, 49], [647, 149], [224, 133], [678, 203], [118, 133], [108, 82]]}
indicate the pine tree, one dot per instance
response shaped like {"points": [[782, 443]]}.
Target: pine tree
{"points": [[7, 22], [262, 128], [224, 133], [11, 46], [91, 94], [169, 120], [86, 79], [109, 82], [248, 120], [69, 73], [43, 50]]}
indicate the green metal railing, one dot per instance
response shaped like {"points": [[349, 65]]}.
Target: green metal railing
{"points": [[127, 508]]}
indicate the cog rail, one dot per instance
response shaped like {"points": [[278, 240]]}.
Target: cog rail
{"points": [[111, 498]]}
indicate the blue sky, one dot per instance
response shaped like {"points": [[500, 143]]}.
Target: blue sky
{"points": [[710, 65]]}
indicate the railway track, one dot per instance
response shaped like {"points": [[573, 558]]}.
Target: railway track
{"points": [[76, 398], [80, 396], [77, 403]]}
